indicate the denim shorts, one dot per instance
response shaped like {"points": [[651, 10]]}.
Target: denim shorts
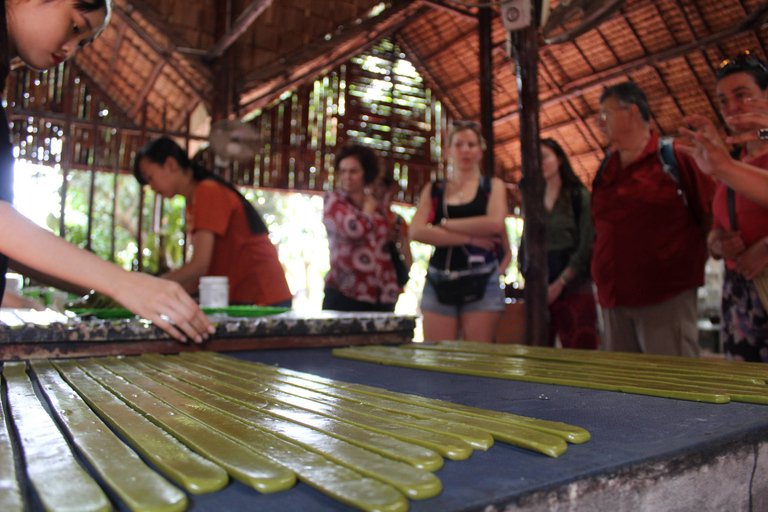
{"points": [[493, 300]]}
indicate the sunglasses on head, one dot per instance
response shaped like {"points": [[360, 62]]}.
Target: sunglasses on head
{"points": [[466, 124], [744, 60]]}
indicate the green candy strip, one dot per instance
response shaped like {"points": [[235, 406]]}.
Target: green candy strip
{"points": [[415, 455], [447, 446], [188, 469], [413, 483], [10, 493], [476, 438], [715, 366], [60, 481], [400, 357], [146, 490], [336, 481], [569, 433], [511, 434], [242, 463]]}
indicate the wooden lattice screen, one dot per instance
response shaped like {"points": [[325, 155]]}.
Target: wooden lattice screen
{"points": [[377, 100]]}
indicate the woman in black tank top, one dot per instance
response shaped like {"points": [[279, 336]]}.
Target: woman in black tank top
{"points": [[463, 217]]}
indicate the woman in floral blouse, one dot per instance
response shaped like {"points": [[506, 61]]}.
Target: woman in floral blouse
{"points": [[361, 275]]}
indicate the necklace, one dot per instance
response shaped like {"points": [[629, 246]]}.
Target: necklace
{"points": [[460, 194]]}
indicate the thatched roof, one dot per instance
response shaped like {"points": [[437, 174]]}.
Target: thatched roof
{"points": [[226, 58]]}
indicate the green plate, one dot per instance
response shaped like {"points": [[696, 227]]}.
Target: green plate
{"points": [[233, 311]]}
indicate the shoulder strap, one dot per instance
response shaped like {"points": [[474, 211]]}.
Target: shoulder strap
{"points": [[666, 151], [731, 196], [600, 169], [437, 188], [485, 185], [576, 202], [669, 162]]}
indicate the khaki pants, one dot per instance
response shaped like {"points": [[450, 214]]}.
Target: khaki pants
{"points": [[668, 328]]}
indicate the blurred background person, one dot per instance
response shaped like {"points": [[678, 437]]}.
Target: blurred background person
{"points": [[361, 275], [650, 233], [740, 230], [463, 217], [229, 237], [570, 233]]}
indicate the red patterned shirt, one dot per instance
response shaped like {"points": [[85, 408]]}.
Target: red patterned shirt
{"points": [[361, 267]]}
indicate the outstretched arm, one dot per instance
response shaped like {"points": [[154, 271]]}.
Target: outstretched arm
{"points": [[163, 302], [713, 158]]}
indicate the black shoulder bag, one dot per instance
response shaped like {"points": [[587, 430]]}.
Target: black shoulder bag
{"points": [[398, 260]]}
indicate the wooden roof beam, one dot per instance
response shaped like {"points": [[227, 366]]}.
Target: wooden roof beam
{"points": [[148, 85], [160, 50], [266, 84], [243, 22], [577, 87], [453, 11]]}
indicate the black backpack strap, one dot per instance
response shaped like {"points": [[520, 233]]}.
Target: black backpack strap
{"points": [[576, 202], [485, 185], [669, 165], [437, 188], [600, 169], [731, 197]]}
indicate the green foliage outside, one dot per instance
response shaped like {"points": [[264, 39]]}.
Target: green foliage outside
{"points": [[294, 221]]}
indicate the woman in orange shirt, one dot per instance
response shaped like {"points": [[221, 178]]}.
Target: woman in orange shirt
{"points": [[228, 235]]}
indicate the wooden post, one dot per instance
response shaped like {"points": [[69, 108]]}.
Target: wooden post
{"points": [[526, 49], [486, 88]]}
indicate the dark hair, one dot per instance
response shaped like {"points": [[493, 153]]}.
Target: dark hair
{"points": [[745, 63], [87, 6], [567, 176], [367, 158], [629, 93], [160, 149]]}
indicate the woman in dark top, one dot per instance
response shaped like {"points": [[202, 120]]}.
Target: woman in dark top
{"points": [[572, 310], [471, 232], [44, 33]]}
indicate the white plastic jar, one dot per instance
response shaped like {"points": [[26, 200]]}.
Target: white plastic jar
{"points": [[214, 292]]}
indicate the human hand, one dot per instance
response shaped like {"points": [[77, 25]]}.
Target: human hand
{"points": [[555, 290], [166, 304], [752, 261], [726, 244], [486, 243], [758, 116], [709, 151], [395, 232], [369, 204]]}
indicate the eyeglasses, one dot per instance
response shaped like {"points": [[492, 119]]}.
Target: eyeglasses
{"points": [[604, 114], [744, 60]]}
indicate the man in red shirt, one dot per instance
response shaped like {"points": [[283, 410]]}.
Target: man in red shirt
{"points": [[650, 234]]}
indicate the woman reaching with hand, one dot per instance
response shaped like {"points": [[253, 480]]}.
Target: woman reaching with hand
{"points": [[44, 33], [228, 235], [740, 229]]}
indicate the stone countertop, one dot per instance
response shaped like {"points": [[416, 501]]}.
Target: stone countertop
{"points": [[26, 326]]}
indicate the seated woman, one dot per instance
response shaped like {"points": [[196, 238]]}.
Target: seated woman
{"points": [[361, 276], [228, 235]]}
